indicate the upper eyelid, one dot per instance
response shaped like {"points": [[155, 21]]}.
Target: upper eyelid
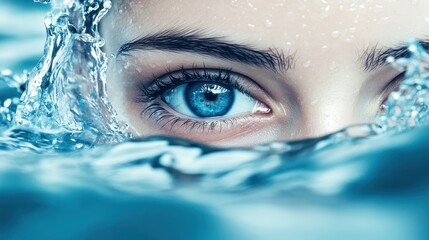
{"points": [[391, 86], [158, 84], [395, 81]]}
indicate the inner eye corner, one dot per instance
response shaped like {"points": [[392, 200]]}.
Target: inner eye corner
{"points": [[263, 108]]}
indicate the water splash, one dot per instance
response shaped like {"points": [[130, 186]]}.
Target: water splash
{"points": [[10, 91], [66, 92], [407, 106]]}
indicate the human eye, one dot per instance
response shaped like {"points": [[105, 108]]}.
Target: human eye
{"points": [[201, 99], [391, 87]]}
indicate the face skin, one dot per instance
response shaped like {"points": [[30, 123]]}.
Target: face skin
{"points": [[316, 78]]}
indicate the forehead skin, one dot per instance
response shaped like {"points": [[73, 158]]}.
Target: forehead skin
{"points": [[299, 24]]}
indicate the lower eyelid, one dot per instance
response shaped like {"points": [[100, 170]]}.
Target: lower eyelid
{"points": [[163, 117]]}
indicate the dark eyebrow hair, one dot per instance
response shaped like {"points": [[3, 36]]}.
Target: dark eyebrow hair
{"points": [[375, 57], [200, 43]]}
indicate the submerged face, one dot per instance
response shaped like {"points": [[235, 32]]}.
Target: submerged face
{"points": [[243, 72]]}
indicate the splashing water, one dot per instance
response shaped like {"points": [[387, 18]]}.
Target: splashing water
{"points": [[407, 106], [66, 92], [347, 177], [10, 89]]}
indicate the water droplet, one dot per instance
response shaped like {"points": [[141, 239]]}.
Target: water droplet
{"points": [[352, 30], [335, 34], [252, 6], [268, 23], [412, 48], [306, 64], [390, 59], [127, 65], [326, 11], [6, 72], [7, 103]]}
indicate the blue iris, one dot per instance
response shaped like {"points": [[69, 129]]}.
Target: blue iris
{"points": [[209, 99]]}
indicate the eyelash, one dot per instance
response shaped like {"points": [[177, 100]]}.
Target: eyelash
{"points": [[160, 113], [391, 86], [172, 79]]}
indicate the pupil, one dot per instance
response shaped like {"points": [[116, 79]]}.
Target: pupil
{"points": [[210, 96], [208, 99]]}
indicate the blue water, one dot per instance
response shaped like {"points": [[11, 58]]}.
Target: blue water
{"points": [[22, 34], [66, 181]]}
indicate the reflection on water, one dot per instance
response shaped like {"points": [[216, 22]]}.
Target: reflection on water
{"points": [[64, 172]]}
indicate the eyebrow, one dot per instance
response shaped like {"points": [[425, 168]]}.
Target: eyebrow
{"points": [[375, 57], [199, 43]]}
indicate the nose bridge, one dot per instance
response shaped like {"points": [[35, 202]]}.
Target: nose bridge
{"points": [[329, 105], [327, 116]]}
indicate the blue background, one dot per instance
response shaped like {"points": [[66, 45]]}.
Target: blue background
{"points": [[22, 34]]}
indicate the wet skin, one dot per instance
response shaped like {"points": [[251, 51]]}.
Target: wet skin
{"points": [[312, 67]]}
